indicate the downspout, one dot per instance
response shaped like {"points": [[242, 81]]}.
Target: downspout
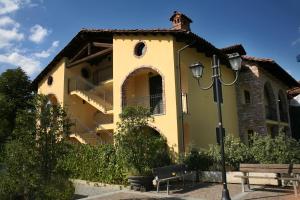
{"points": [[180, 96]]}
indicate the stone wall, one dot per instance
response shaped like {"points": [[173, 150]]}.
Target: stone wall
{"points": [[252, 116]]}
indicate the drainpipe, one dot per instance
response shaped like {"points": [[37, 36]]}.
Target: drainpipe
{"points": [[180, 88]]}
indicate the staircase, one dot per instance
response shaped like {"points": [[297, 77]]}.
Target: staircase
{"points": [[87, 138], [83, 134], [97, 96], [94, 101]]}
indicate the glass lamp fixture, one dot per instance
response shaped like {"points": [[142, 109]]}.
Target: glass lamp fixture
{"points": [[235, 61], [197, 69]]}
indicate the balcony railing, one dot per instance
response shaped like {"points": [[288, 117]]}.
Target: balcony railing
{"points": [[270, 113], [154, 103], [97, 92]]}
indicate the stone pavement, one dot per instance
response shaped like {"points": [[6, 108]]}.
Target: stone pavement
{"points": [[201, 191]]}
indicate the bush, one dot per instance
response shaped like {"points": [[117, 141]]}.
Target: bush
{"points": [[94, 163], [53, 189], [236, 152], [198, 160], [140, 147], [281, 149]]}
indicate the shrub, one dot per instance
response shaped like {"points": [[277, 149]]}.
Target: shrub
{"points": [[94, 163], [198, 160], [140, 147], [281, 149], [236, 152]]}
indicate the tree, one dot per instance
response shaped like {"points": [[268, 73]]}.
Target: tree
{"points": [[140, 147], [15, 95], [32, 157]]}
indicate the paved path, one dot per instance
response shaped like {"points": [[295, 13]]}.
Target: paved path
{"points": [[194, 192]]}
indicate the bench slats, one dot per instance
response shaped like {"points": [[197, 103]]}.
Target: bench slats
{"points": [[296, 169], [271, 168]]}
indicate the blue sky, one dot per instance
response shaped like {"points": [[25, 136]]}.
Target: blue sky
{"points": [[33, 31]]}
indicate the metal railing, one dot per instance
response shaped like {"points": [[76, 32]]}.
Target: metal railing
{"points": [[99, 93], [154, 103]]}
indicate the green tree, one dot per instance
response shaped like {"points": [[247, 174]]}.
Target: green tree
{"points": [[32, 158], [140, 147], [15, 95]]}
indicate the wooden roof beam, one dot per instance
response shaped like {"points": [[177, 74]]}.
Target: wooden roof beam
{"points": [[87, 58], [80, 52], [104, 45]]}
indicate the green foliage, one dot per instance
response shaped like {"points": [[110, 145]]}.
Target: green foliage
{"points": [[140, 147], [198, 160], [236, 152], [281, 149], [15, 95], [31, 158], [94, 163]]}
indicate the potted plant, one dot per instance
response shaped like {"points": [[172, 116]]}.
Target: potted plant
{"points": [[140, 147]]}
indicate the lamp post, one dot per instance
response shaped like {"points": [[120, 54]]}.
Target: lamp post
{"points": [[197, 70]]}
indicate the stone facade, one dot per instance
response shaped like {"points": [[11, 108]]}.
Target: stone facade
{"points": [[252, 114]]}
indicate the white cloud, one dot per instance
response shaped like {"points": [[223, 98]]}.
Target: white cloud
{"points": [[8, 22], [9, 32], [28, 64], [38, 33], [8, 36], [295, 42], [8, 6], [47, 53]]}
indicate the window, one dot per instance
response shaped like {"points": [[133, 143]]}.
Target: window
{"points": [[247, 98], [50, 80], [85, 73], [140, 49]]}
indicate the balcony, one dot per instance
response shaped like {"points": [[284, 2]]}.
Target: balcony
{"points": [[154, 103]]}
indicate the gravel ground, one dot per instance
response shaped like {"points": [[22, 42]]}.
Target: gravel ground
{"points": [[201, 191]]}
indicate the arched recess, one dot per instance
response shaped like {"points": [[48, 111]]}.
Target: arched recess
{"points": [[283, 106], [270, 102], [52, 99], [144, 87]]}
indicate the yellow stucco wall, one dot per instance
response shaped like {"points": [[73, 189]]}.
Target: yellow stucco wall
{"points": [[159, 55], [57, 87], [201, 120]]}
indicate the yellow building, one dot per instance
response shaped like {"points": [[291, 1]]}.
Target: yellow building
{"points": [[102, 71]]}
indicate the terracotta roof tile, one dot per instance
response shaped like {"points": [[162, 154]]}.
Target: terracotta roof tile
{"points": [[273, 68], [236, 48]]}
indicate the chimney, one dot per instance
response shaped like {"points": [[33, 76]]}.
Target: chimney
{"points": [[180, 21]]}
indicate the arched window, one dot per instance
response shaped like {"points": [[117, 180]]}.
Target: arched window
{"points": [[270, 102], [283, 107]]}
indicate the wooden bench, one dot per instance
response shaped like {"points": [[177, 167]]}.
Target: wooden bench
{"points": [[290, 172], [167, 173]]}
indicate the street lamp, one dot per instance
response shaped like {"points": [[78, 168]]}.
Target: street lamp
{"points": [[197, 70]]}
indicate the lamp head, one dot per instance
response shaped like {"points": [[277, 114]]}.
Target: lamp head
{"points": [[235, 61], [197, 69]]}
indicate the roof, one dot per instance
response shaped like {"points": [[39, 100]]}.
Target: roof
{"points": [[294, 91], [273, 68], [86, 35], [236, 48], [179, 13]]}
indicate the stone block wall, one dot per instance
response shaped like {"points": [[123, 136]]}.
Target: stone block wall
{"points": [[252, 116]]}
